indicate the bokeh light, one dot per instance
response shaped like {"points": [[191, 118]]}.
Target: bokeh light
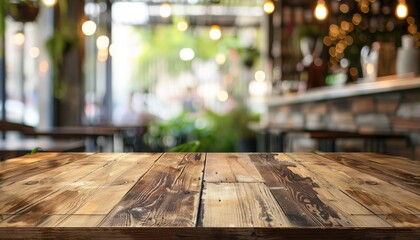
{"points": [[186, 54], [18, 38], [165, 10], [321, 11], [215, 32], [269, 7], [89, 28]]}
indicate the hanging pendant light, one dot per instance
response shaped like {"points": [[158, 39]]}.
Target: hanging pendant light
{"points": [[182, 25], [402, 9], [49, 3], [321, 10], [165, 10], [215, 32], [269, 7]]}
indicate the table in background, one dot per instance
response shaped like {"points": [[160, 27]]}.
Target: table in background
{"points": [[93, 135], [10, 148], [213, 195]]}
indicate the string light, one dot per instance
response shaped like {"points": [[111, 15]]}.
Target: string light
{"points": [[269, 7], [215, 32], [165, 10], [102, 42], [89, 28], [321, 11], [402, 10], [186, 54], [49, 3], [220, 58], [182, 25], [18, 38], [34, 52], [223, 96]]}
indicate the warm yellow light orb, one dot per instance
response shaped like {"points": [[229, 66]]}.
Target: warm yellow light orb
{"points": [[18, 38], [165, 10], [269, 7], [102, 42], [182, 26], [89, 28], [223, 96], [215, 32], [220, 58], [49, 3], [402, 10], [34, 52], [321, 11]]}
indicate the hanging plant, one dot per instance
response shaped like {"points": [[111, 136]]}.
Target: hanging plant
{"points": [[23, 10], [249, 55], [61, 42], [2, 25]]}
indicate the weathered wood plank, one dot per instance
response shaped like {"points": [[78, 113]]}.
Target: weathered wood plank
{"points": [[115, 181], [73, 221], [275, 174], [231, 167], [387, 170], [25, 159], [241, 205], [400, 163], [96, 193], [381, 198], [307, 199], [40, 186], [168, 195], [15, 170]]}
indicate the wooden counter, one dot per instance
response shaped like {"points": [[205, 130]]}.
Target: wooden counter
{"points": [[214, 195]]}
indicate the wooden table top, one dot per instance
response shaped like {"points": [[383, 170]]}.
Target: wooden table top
{"points": [[213, 195]]}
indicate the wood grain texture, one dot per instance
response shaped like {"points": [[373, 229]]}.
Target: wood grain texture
{"points": [[40, 186], [307, 199], [168, 195], [231, 167], [12, 171], [82, 196], [179, 195], [404, 173], [25, 159], [350, 213], [241, 205], [380, 197]]}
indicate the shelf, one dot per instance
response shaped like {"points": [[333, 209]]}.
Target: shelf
{"points": [[351, 90]]}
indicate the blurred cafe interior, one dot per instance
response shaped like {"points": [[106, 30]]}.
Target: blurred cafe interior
{"points": [[210, 75]]}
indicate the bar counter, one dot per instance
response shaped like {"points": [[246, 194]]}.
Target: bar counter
{"points": [[210, 195], [385, 85]]}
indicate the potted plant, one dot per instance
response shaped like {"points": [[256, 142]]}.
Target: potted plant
{"points": [[23, 10]]}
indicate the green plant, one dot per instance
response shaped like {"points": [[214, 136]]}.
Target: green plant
{"points": [[35, 150], [191, 146], [58, 45], [2, 24], [209, 132]]}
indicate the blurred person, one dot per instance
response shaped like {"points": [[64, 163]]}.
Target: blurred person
{"points": [[135, 113], [191, 102]]}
